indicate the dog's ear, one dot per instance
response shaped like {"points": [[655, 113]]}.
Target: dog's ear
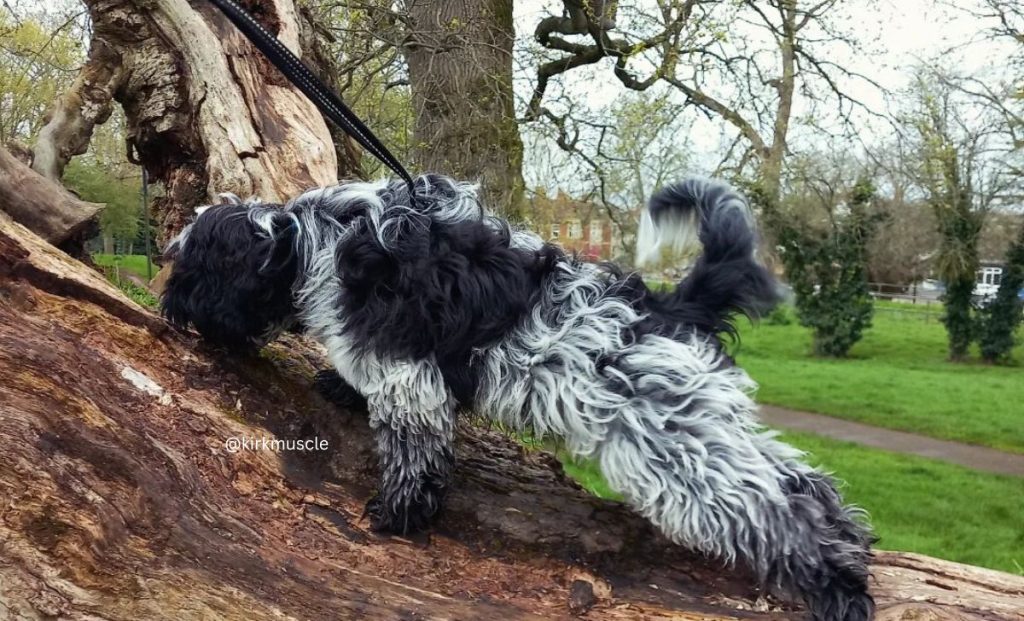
{"points": [[175, 245]]}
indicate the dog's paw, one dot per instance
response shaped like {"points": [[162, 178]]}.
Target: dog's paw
{"points": [[332, 387], [409, 519], [379, 523]]}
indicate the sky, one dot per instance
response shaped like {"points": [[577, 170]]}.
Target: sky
{"points": [[895, 36], [906, 32]]}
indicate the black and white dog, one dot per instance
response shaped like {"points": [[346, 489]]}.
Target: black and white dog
{"points": [[434, 308]]}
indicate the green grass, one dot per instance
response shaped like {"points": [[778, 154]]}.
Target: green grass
{"points": [[131, 263], [128, 264], [916, 504], [142, 297], [587, 474], [896, 377], [927, 506]]}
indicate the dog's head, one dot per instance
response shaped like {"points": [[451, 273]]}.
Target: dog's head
{"points": [[234, 269]]}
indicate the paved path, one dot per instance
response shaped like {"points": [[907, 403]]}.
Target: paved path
{"points": [[969, 455]]}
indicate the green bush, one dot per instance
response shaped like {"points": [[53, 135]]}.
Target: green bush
{"points": [[957, 263], [958, 318], [1002, 316], [828, 272], [781, 315]]}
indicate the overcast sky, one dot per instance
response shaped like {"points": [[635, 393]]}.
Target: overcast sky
{"points": [[896, 35]]}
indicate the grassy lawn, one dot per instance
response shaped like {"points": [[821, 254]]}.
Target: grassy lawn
{"points": [[916, 504], [927, 506], [131, 263], [134, 264], [896, 377]]}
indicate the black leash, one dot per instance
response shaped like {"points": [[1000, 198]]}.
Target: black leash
{"points": [[323, 97]]}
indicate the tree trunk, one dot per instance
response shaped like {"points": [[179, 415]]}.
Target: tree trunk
{"points": [[206, 112], [460, 69], [121, 499]]}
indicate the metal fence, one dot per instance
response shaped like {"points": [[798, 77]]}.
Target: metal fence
{"points": [[906, 301]]}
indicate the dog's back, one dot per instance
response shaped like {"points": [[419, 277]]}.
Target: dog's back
{"points": [[441, 308]]}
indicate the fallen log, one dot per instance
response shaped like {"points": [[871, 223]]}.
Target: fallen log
{"points": [[46, 208], [119, 498]]}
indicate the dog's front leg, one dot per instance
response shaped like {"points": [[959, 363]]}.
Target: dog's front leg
{"points": [[413, 420]]}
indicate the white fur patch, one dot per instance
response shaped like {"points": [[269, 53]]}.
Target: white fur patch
{"points": [[671, 239]]}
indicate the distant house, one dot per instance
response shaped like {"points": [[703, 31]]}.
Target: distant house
{"points": [[988, 278], [576, 225]]}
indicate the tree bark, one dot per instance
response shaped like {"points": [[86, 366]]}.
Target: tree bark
{"points": [[460, 70], [206, 112], [76, 113], [45, 208], [120, 500]]}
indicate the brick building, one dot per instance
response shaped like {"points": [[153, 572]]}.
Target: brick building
{"points": [[576, 225]]}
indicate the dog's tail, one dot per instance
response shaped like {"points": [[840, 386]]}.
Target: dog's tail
{"points": [[727, 278]]}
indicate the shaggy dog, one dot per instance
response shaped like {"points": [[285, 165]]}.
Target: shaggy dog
{"points": [[430, 306]]}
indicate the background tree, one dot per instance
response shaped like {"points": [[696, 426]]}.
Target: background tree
{"points": [[825, 251], [1002, 88], [1001, 317], [435, 81], [902, 252], [1000, 92], [39, 56], [459, 55], [749, 82], [956, 148], [363, 41]]}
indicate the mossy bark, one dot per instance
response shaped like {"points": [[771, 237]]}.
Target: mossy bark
{"points": [[460, 69]]}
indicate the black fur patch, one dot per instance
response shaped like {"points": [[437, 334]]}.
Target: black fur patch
{"points": [[408, 505], [441, 289], [230, 280], [335, 389]]}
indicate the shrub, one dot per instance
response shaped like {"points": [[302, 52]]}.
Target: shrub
{"points": [[1002, 316], [781, 315], [828, 272]]}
